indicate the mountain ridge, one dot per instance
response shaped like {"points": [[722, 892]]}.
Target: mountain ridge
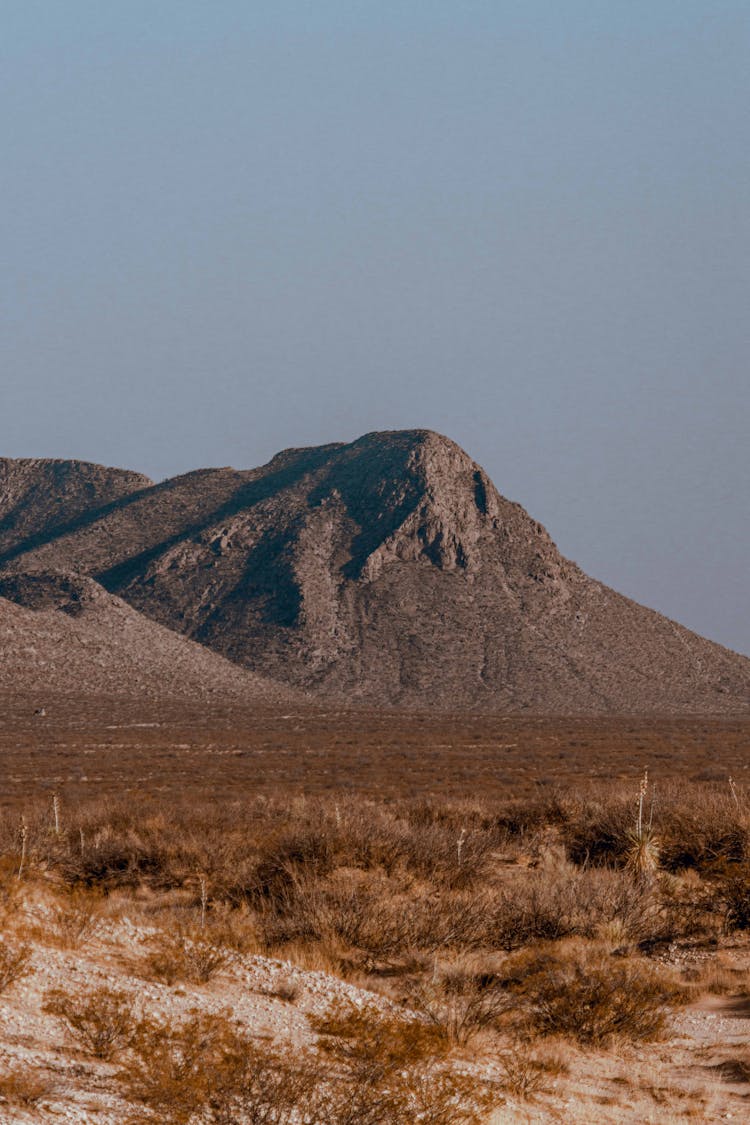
{"points": [[388, 570]]}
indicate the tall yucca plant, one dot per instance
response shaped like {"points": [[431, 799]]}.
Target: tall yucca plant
{"points": [[642, 856]]}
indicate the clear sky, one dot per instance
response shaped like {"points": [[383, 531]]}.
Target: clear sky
{"points": [[231, 226]]}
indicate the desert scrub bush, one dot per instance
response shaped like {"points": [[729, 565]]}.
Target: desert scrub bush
{"points": [[107, 857], [522, 1074], [557, 900], [371, 1042], [461, 1001], [15, 963], [385, 1072], [101, 1022], [25, 1087], [696, 828], [191, 954], [308, 851], [730, 894], [617, 832], [10, 889], [379, 918], [75, 917], [576, 990], [205, 1070], [453, 850]]}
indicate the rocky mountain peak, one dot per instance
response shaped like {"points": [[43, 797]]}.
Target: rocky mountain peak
{"points": [[389, 569]]}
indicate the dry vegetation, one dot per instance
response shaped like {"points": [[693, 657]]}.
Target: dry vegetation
{"points": [[502, 942]]}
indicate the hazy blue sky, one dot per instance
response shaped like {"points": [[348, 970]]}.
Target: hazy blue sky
{"points": [[237, 225]]}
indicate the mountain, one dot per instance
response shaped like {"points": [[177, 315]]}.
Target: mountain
{"points": [[388, 570]]}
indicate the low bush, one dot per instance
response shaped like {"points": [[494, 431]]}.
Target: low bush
{"points": [[522, 1075], [730, 894], [371, 1042], [191, 954], [461, 1002], [15, 963], [10, 888], [206, 1070], [101, 1022], [75, 917], [385, 1072], [579, 991]]}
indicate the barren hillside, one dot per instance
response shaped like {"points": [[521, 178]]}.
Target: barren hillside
{"points": [[63, 635]]}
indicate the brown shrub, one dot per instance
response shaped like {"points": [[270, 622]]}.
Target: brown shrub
{"points": [[190, 954], [522, 1075], [385, 1072], [730, 894], [15, 963], [695, 830], [461, 1002], [206, 1067], [577, 990], [556, 900], [10, 889], [597, 833], [101, 1022], [371, 1042], [75, 918]]}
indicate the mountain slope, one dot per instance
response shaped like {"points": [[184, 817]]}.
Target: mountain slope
{"points": [[63, 635], [40, 498], [390, 570]]}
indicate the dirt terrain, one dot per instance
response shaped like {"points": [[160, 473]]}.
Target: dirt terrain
{"points": [[163, 763], [103, 744], [687, 1078]]}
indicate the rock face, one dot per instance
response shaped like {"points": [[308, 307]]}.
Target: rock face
{"points": [[388, 570]]}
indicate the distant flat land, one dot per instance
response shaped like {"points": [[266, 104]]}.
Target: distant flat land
{"points": [[104, 746]]}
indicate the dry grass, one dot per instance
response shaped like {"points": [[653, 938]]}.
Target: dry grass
{"points": [[499, 924], [208, 1070]]}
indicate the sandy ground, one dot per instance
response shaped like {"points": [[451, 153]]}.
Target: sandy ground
{"points": [[690, 1076]]}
